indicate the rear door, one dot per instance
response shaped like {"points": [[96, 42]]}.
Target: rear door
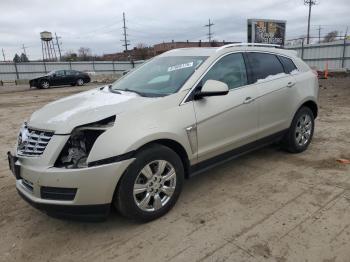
{"points": [[229, 121], [70, 76], [274, 88]]}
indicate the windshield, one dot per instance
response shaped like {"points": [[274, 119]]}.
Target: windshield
{"points": [[159, 77], [51, 73]]}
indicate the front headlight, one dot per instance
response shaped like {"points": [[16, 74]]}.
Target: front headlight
{"points": [[78, 146]]}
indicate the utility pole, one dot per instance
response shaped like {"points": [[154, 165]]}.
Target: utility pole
{"points": [[210, 34], [58, 46], [310, 3], [126, 42], [3, 54], [319, 34], [24, 49]]}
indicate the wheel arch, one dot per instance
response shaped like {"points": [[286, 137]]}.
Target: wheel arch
{"points": [[176, 147], [312, 105]]}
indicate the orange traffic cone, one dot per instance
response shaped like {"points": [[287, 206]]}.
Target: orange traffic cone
{"points": [[326, 71]]}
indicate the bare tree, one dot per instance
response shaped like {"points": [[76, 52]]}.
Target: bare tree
{"points": [[70, 55], [141, 51], [16, 58], [331, 36], [84, 53]]}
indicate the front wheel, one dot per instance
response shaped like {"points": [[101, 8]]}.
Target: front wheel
{"points": [[44, 84], [151, 185], [300, 132]]}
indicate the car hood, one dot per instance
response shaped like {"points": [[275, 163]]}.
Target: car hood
{"points": [[38, 78], [63, 115]]}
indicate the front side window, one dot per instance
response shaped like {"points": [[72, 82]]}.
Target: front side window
{"points": [[264, 66], [230, 70], [160, 76], [60, 73]]}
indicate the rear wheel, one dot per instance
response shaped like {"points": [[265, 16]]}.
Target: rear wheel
{"points": [[44, 84], [300, 133], [151, 185], [80, 82]]}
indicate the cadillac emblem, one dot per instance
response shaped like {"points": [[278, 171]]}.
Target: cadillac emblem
{"points": [[23, 137]]}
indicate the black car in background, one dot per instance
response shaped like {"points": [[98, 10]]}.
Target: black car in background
{"points": [[60, 77]]}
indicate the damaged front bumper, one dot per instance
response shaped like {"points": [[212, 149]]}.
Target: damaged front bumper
{"points": [[71, 193]]}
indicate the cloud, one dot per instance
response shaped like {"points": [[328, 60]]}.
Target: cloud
{"points": [[98, 24]]}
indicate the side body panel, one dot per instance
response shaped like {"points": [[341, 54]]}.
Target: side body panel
{"points": [[225, 122], [275, 101]]}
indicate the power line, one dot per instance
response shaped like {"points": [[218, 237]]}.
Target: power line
{"points": [[310, 3], [126, 42], [210, 34]]}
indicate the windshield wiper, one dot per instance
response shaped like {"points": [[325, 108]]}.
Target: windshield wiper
{"points": [[112, 90], [130, 90]]}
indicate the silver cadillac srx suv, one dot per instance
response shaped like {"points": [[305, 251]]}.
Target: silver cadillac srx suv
{"points": [[131, 144]]}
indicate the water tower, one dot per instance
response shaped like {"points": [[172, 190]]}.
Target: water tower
{"points": [[47, 46]]}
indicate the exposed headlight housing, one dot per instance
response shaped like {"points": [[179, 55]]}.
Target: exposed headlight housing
{"points": [[78, 146]]}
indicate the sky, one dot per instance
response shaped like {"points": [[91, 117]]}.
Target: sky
{"points": [[97, 24]]}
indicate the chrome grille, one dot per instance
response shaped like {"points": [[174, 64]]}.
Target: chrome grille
{"points": [[32, 142]]}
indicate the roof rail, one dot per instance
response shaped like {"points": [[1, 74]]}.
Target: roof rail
{"points": [[248, 44]]}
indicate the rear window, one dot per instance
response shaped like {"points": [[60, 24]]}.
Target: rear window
{"points": [[288, 64], [264, 65]]}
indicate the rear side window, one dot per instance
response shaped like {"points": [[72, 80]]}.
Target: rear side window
{"points": [[288, 64], [264, 65], [230, 70]]}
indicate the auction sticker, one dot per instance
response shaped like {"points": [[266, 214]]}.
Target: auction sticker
{"points": [[181, 66]]}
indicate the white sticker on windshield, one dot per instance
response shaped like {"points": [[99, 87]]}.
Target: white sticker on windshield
{"points": [[181, 66]]}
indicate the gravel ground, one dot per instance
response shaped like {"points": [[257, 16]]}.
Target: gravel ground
{"points": [[265, 206]]}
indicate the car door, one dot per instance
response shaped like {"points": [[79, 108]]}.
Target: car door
{"points": [[59, 78], [70, 77], [274, 92], [228, 121]]}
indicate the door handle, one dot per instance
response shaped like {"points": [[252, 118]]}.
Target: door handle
{"points": [[290, 84], [248, 100]]}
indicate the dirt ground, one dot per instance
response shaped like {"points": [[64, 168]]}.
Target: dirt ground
{"points": [[266, 206]]}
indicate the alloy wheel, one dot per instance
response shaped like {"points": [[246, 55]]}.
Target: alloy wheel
{"points": [[303, 130], [45, 84], [154, 185]]}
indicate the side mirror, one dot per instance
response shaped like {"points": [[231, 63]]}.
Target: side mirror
{"points": [[212, 88], [53, 75]]}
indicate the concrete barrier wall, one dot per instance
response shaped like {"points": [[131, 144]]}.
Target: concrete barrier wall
{"points": [[10, 71], [335, 54]]}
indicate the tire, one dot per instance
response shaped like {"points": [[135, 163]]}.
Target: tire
{"points": [[44, 84], [301, 131], [149, 201], [80, 82]]}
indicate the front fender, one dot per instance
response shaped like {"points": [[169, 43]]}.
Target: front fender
{"points": [[132, 131]]}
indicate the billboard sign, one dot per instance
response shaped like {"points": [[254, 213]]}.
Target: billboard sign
{"points": [[266, 31]]}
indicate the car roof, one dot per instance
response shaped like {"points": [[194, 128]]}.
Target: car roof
{"points": [[191, 51], [218, 51]]}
